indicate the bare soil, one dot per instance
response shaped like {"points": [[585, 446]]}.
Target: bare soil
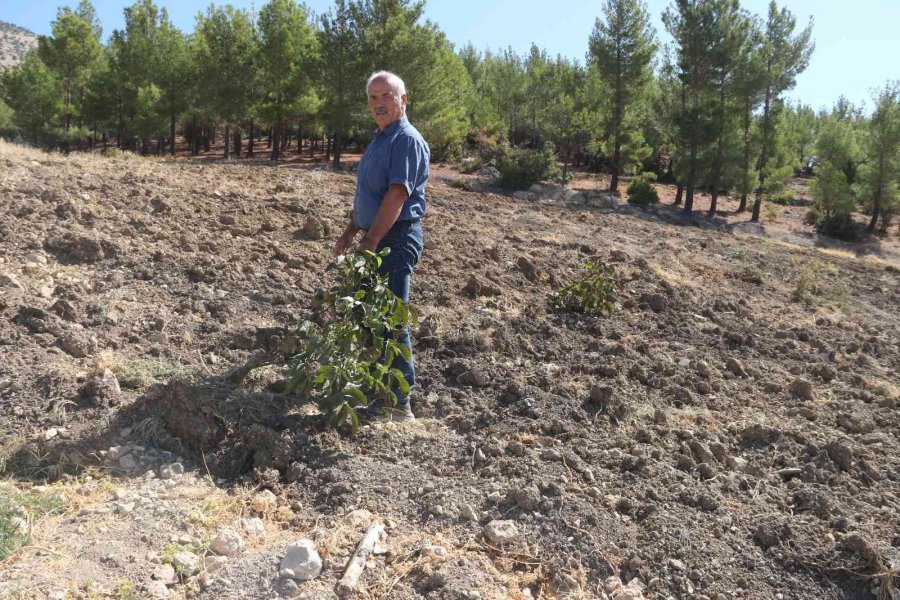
{"points": [[731, 431]]}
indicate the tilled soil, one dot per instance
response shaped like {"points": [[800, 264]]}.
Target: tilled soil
{"points": [[731, 430]]}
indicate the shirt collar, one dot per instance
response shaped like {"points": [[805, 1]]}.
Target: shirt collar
{"points": [[392, 127]]}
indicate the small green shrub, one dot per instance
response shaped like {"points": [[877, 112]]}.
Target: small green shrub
{"points": [[641, 191], [595, 293], [819, 283], [339, 361], [520, 169]]}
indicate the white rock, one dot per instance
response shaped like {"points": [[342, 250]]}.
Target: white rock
{"points": [[211, 564], [264, 502], [164, 573], [501, 532], [8, 280], [468, 513], [227, 542], [51, 433], [254, 527], [301, 561], [186, 562], [123, 508], [157, 590], [359, 517], [56, 594], [171, 470]]}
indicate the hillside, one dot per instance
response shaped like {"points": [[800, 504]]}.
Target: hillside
{"points": [[730, 431], [15, 42]]}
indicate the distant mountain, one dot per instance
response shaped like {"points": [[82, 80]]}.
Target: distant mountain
{"points": [[14, 43]]}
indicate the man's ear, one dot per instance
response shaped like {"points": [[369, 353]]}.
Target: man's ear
{"points": [[404, 99]]}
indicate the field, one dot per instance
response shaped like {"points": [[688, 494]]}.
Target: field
{"points": [[730, 431]]}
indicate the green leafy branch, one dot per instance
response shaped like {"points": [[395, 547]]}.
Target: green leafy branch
{"points": [[594, 294], [339, 363]]}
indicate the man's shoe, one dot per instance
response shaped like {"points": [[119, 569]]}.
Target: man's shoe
{"points": [[401, 413]]}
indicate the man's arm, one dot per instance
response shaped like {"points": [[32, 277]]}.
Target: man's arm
{"points": [[346, 238], [387, 215]]}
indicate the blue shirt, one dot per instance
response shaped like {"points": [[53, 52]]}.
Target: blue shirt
{"points": [[397, 155]]}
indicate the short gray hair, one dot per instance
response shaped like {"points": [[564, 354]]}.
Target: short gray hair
{"points": [[392, 80]]}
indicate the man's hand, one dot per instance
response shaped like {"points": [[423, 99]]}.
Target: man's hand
{"points": [[367, 244], [343, 242]]}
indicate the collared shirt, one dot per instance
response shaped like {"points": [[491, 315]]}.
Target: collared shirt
{"points": [[397, 155]]}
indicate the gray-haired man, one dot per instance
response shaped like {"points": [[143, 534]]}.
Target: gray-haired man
{"points": [[390, 201]]}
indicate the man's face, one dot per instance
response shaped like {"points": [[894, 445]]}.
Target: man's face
{"points": [[384, 103]]}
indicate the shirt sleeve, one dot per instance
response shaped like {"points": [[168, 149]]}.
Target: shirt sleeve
{"points": [[406, 162]]}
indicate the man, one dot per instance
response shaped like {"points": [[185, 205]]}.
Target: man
{"points": [[389, 204]]}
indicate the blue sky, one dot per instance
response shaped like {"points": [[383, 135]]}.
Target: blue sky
{"points": [[857, 43]]}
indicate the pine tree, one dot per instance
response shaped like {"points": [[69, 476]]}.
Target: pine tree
{"points": [[880, 174], [32, 91], [288, 50], [622, 47], [72, 52], [343, 73], [226, 47], [784, 56]]}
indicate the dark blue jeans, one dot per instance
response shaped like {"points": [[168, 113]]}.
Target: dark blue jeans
{"points": [[406, 241]]}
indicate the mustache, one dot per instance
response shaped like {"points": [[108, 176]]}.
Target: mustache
{"points": [[381, 110]]}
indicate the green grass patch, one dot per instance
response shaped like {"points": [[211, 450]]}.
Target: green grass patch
{"points": [[18, 510], [820, 283]]}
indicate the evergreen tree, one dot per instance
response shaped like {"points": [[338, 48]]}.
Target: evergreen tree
{"points": [[879, 175], [72, 52], [226, 47], [32, 91], [784, 56], [622, 47], [343, 73], [288, 50]]}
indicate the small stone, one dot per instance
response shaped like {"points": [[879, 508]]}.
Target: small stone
{"points": [[127, 462], [227, 542], [124, 508], [551, 455], [264, 502], [164, 573], [171, 470], [735, 367], [157, 590], [301, 561], [501, 532], [211, 564], [186, 562], [468, 513], [254, 527], [677, 564], [8, 280], [801, 388], [357, 518]]}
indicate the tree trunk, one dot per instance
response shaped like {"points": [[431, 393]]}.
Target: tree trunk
{"points": [[274, 136], [713, 202], [763, 157], [876, 211], [679, 192], [227, 140], [172, 131], [250, 141], [237, 142], [327, 142], [617, 157], [338, 141]]}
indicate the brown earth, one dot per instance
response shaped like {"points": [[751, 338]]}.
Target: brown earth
{"points": [[731, 431]]}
